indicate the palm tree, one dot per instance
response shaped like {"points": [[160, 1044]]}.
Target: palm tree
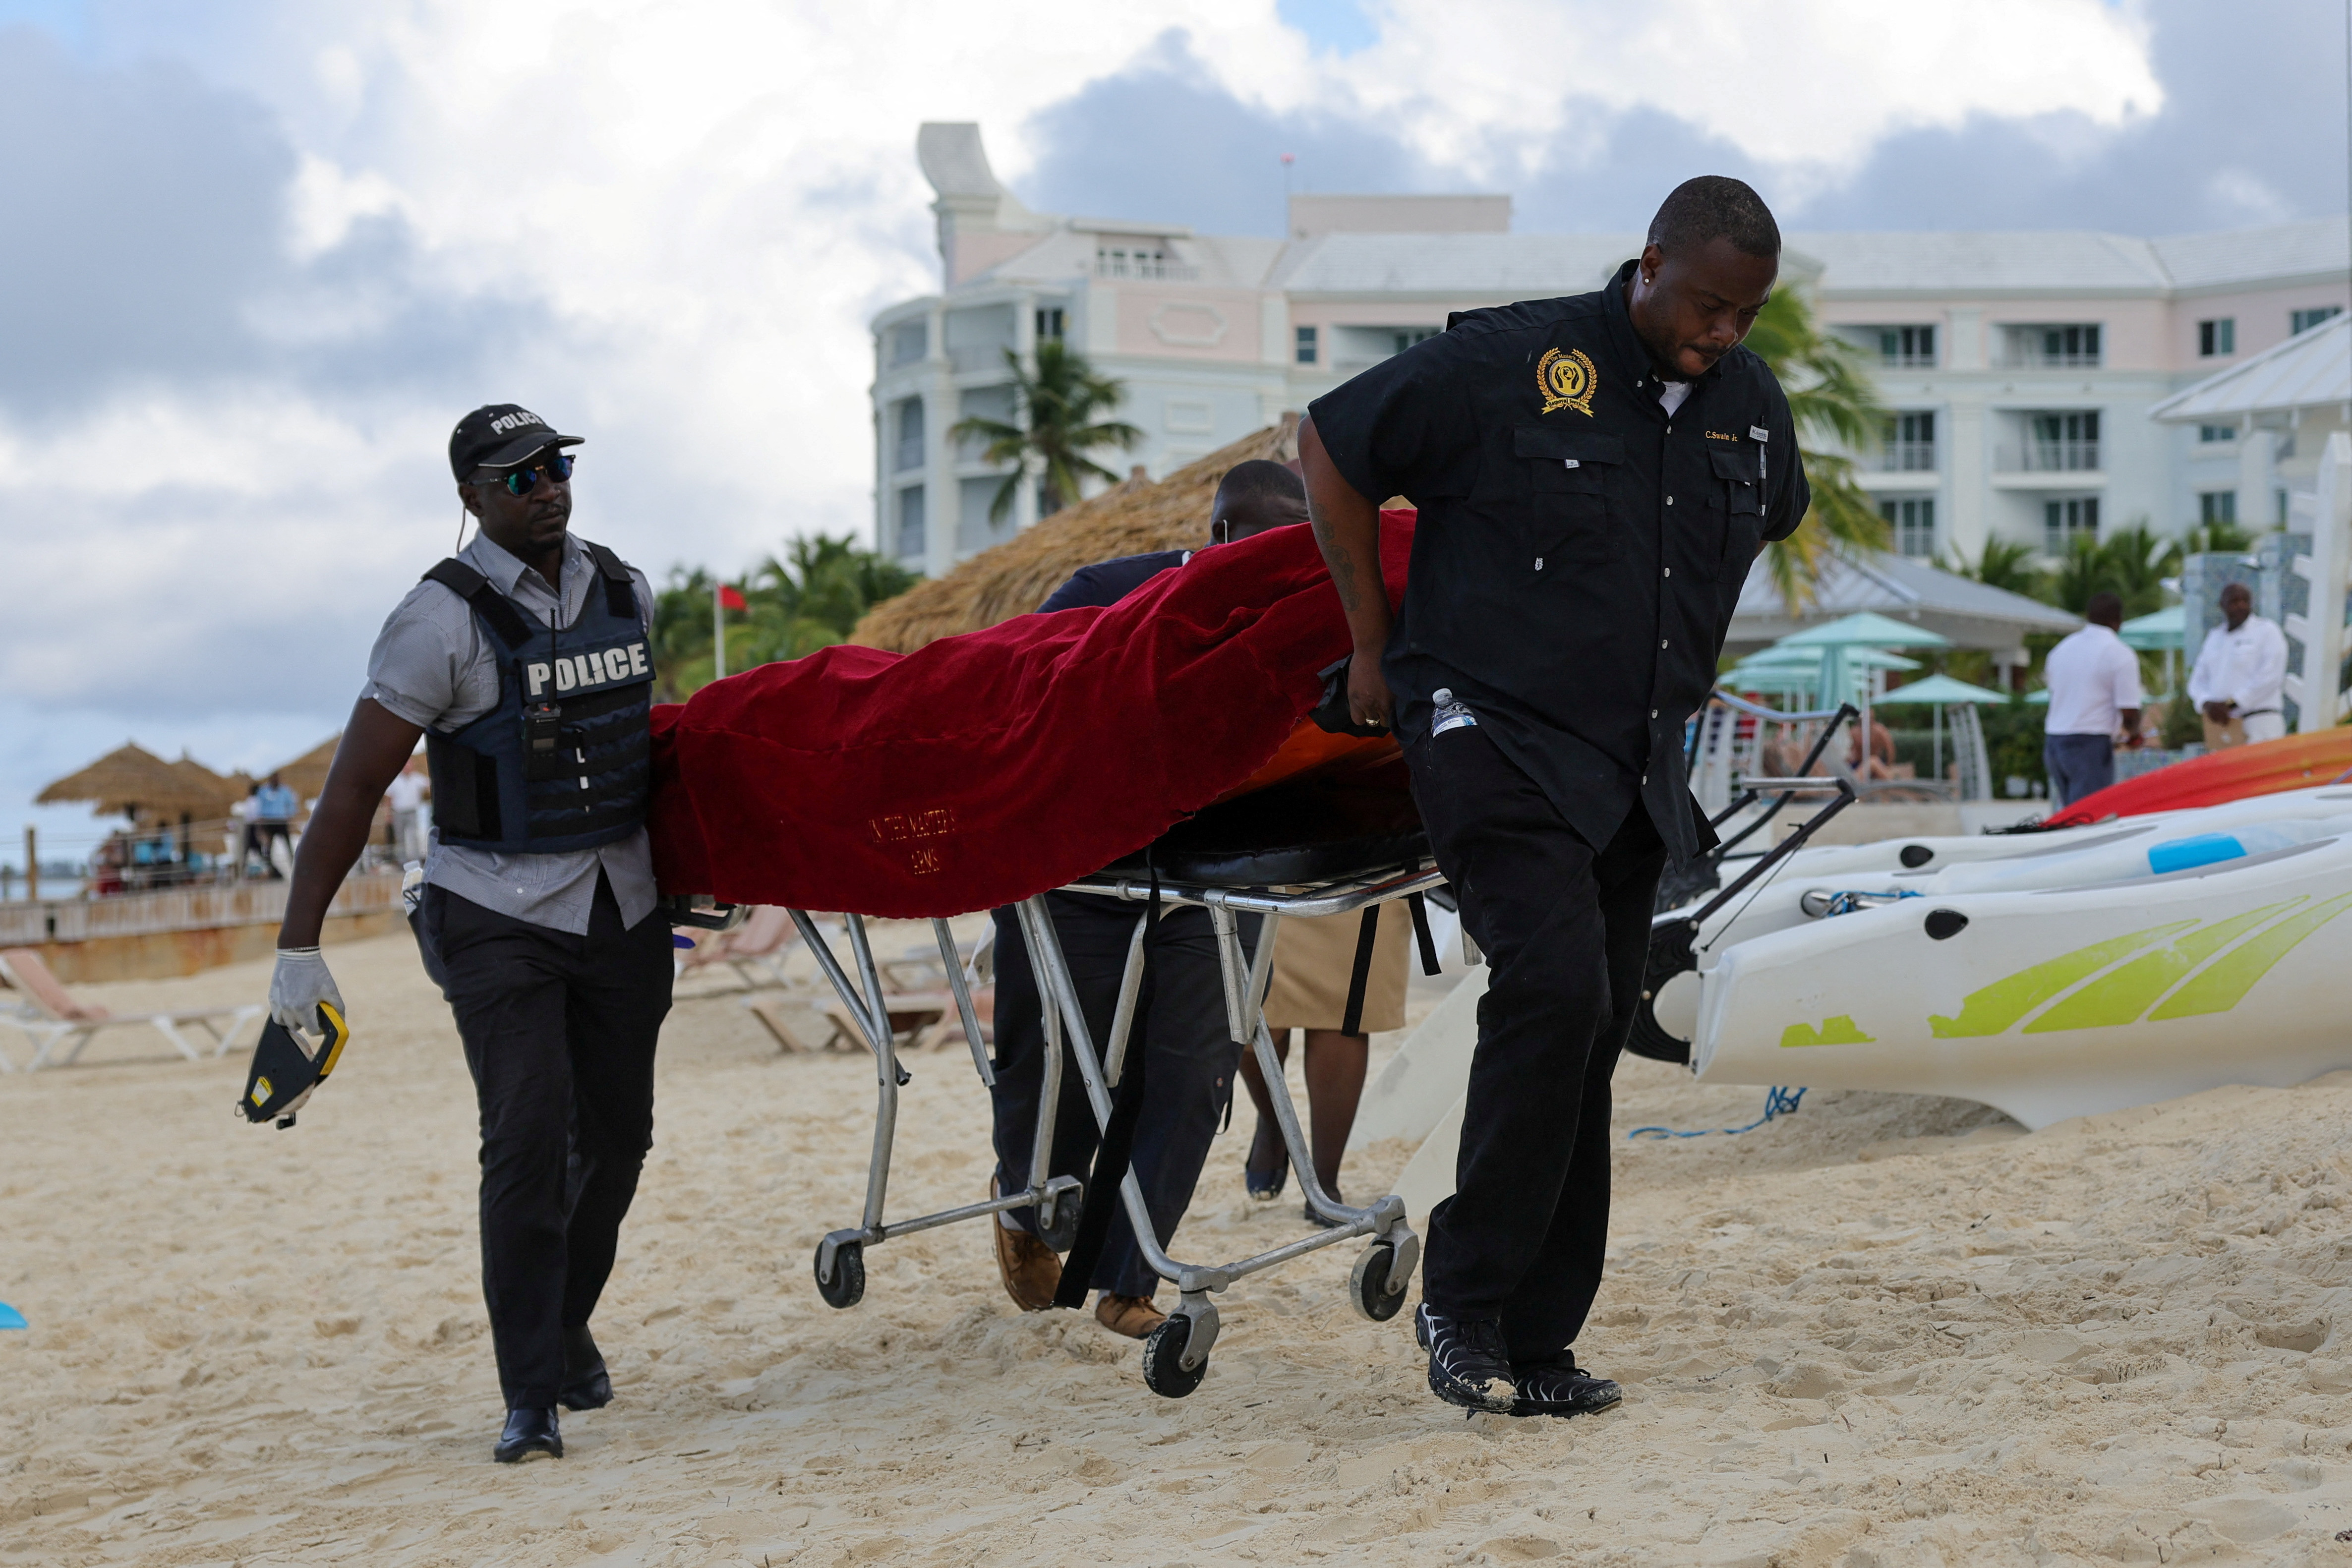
{"points": [[2003, 564], [1058, 411], [1833, 404], [807, 602]]}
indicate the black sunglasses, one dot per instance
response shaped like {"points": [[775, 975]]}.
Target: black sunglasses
{"points": [[523, 481]]}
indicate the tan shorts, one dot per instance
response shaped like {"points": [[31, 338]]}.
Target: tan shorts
{"points": [[1313, 960]]}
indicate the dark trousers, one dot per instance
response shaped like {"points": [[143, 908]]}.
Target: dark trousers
{"points": [[559, 1033], [2077, 764], [1566, 932], [1179, 1027]]}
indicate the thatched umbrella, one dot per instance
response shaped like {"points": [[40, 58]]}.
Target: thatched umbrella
{"points": [[153, 792], [307, 774], [1015, 576]]}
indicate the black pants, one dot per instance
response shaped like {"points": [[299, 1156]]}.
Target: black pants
{"points": [[1566, 932], [2077, 765], [1180, 1024], [558, 1032]]}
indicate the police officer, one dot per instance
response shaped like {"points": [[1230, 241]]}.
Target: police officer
{"points": [[523, 661], [1595, 475]]}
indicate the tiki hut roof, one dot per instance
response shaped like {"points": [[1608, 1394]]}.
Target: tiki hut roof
{"points": [[133, 779], [307, 774], [1015, 576]]}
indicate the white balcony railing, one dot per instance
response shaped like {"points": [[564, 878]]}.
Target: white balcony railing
{"points": [[2047, 457], [1146, 270], [1907, 458]]}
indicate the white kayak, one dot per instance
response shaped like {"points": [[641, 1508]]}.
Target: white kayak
{"points": [[2050, 975], [1802, 890], [2110, 984]]}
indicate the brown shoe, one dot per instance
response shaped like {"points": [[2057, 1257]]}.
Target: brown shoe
{"points": [[1133, 1316], [1027, 1266]]}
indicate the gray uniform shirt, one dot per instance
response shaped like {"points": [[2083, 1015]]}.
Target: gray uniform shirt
{"points": [[434, 665]]}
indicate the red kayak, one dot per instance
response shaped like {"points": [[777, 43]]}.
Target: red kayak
{"points": [[2265, 768]]}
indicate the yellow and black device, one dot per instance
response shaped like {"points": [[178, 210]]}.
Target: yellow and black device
{"points": [[286, 1071]]}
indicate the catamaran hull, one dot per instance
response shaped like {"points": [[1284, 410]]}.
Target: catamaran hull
{"points": [[2056, 1002]]}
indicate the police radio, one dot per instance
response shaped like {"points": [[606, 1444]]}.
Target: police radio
{"points": [[285, 1070]]}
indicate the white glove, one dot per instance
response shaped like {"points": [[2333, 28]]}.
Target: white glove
{"points": [[300, 983]]}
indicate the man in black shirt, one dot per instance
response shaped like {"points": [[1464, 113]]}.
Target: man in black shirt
{"points": [[1595, 475], [1187, 1050]]}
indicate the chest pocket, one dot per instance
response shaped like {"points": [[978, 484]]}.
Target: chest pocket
{"points": [[1736, 518], [1570, 474]]}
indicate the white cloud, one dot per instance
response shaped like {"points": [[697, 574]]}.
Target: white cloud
{"points": [[703, 201], [1807, 84]]}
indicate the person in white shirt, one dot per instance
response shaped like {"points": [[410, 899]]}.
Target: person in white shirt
{"points": [[2240, 671], [407, 795], [2095, 691]]}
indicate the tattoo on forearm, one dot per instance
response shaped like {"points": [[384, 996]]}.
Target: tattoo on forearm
{"points": [[1341, 563]]}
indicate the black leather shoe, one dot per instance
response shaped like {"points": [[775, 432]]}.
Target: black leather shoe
{"points": [[529, 1432], [1557, 1388], [1467, 1363], [586, 1385]]}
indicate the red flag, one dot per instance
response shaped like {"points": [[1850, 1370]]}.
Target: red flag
{"points": [[730, 599]]}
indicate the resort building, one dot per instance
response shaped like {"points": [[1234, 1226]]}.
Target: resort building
{"points": [[2020, 368]]}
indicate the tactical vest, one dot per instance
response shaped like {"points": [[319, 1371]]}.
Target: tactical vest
{"points": [[563, 761]]}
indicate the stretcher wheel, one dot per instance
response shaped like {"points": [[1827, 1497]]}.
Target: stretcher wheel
{"points": [[1064, 1231], [1368, 1284], [847, 1286], [1164, 1372]]}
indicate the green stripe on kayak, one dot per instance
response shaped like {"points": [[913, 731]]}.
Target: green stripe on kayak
{"points": [[1998, 1005], [2221, 986], [2121, 995]]}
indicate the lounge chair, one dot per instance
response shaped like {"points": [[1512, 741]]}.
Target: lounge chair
{"points": [[755, 950], [50, 1018]]}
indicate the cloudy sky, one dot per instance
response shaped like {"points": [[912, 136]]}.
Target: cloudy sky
{"points": [[256, 254]]}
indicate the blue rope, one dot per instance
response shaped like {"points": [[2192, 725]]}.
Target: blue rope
{"points": [[1777, 1101]]}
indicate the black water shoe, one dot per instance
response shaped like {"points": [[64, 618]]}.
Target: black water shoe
{"points": [[529, 1432], [1468, 1364], [1557, 1388], [586, 1384]]}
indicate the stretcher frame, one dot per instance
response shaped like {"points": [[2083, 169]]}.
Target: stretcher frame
{"points": [[1176, 1354]]}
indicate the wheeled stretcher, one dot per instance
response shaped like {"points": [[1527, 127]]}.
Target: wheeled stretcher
{"points": [[1327, 864]]}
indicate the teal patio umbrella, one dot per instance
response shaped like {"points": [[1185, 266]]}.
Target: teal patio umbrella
{"points": [[2166, 629], [1940, 692], [1864, 629]]}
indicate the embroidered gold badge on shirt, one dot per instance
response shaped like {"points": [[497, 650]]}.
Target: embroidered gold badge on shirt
{"points": [[1566, 380]]}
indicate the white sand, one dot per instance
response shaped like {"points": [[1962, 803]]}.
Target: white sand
{"points": [[1884, 1331]]}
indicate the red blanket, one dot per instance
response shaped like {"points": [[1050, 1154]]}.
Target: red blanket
{"points": [[990, 766]]}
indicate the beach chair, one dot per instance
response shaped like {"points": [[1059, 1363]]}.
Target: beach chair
{"points": [[51, 1019], [755, 950]]}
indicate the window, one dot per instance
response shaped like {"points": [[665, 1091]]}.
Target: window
{"points": [[1914, 522], [1049, 323], [1136, 259], [2216, 337], [2305, 320], [910, 342], [1906, 348], [907, 419], [1306, 349], [2055, 347], [2217, 506], [1407, 337], [912, 543], [2063, 443], [1908, 446], [2209, 434], [2064, 522]]}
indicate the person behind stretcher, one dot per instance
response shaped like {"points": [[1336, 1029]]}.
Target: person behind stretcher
{"points": [[1180, 1021]]}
